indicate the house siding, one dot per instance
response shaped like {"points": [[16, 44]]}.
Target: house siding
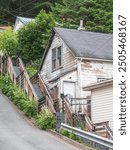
{"points": [[68, 61], [102, 105], [91, 71]]}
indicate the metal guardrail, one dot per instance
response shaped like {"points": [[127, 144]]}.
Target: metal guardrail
{"points": [[89, 136]]}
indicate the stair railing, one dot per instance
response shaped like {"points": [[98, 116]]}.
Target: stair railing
{"points": [[49, 100], [69, 115], [10, 70], [109, 131]]}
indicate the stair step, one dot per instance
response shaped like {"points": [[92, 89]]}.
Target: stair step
{"points": [[103, 134], [40, 103], [99, 129], [38, 91], [42, 99], [17, 70]]}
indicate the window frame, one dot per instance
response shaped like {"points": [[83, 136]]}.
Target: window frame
{"points": [[57, 59]]}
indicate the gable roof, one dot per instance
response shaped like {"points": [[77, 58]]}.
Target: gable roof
{"points": [[87, 44], [84, 44], [24, 20]]}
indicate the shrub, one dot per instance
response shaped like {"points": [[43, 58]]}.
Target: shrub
{"points": [[70, 135], [45, 120], [64, 132], [29, 108], [17, 96]]}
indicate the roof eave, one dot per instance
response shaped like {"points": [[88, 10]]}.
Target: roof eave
{"points": [[72, 51], [98, 85], [95, 59], [47, 48]]}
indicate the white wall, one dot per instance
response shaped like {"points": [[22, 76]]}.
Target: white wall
{"points": [[18, 25], [102, 105], [92, 70]]}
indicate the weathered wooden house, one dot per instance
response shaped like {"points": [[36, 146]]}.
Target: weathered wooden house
{"points": [[74, 59]]}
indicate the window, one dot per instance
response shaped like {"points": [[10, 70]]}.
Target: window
{"points": [[53, 59], [56, 58], [59, 56]]}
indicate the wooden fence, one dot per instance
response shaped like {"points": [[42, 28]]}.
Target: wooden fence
{"points": [[14, 67]]}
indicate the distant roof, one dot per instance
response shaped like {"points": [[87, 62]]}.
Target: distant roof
{"points": [[24, 20], [2, 28], [87, 44]]}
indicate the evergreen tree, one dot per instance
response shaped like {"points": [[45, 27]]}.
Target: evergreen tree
{"points": [[97, 14]]}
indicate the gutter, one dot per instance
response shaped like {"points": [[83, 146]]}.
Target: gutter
{"points": [[95, 59]]}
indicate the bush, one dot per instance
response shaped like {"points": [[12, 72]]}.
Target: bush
{"points": [[29, 109], [71, 135], [31, 70], [45, 120], [64, 132], [17, 96]]}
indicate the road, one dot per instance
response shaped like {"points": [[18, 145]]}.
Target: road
{"points": [[16, 133]]}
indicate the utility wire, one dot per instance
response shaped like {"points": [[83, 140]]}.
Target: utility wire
{"points": [[20, 7], [31, 9]]}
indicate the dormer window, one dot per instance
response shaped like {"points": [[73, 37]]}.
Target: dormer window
{"points": [[56, 58]]}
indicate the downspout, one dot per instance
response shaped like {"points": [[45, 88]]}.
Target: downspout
{"points": [[79, 81]]}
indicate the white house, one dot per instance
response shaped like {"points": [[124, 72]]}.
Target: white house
{"points": [[20, 21], [101, 101], [74, 59]]}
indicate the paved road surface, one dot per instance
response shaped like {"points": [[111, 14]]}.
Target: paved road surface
{"points": [[17, 134]]}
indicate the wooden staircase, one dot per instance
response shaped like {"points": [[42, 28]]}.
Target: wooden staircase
{"points": [[40, 95], [44, 97], [103, 129], [72, 118], [22, 78]]}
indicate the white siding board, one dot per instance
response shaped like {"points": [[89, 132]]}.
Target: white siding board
{"points": [[102, 105], [92, 70]]}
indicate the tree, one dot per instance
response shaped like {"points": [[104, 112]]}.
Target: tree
{"points": [[32, 38], [8, 42], [97, 14], [9, 9]]}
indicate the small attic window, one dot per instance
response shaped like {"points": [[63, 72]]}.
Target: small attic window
{"points": [[56, 58]]}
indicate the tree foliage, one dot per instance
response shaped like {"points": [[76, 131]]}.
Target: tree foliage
{"points": [[33, 37], [8, 42], [9, 9], [97, 14]]}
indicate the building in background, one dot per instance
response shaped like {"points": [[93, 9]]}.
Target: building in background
{"points": [[20, 21]]}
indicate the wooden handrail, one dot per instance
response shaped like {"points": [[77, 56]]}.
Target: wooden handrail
{"points": [[21, 65], [89, 124], [11, 65], [48, 97]]}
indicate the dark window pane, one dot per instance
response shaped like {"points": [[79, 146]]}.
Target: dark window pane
{"points": [[53, 58], [59, 56]]}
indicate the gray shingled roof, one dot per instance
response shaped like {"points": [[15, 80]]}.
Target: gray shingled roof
{"points": [[87, 44]]}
